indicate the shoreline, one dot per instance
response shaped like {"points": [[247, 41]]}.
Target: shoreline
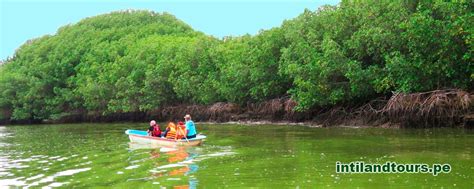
{"points": [[303, 124], [309, 124], [262, 122], [244, 123], [439, 108]]}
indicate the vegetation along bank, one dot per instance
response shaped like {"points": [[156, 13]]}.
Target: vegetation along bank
{"points": [[405, 63]]}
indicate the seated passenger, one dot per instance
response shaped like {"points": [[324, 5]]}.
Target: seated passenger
{"points": [[190, 127], [181, 130], [170, 132], [174, 131], [154, 129]]}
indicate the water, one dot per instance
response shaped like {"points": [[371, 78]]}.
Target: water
{"points": [[100, 155]]}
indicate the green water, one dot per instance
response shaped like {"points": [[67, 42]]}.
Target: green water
{"points": [[234, 156]]}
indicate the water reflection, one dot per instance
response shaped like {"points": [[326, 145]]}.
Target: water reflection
{"points": [[177, 163]]}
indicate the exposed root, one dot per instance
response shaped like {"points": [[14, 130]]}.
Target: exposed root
{"points": [[434, 108], [427, 109], [222, 111]]}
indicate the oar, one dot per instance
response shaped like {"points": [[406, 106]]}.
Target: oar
{"points": [[186, 138]]}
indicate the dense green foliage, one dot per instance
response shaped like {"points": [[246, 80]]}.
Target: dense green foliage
{"points": [[131, 61]]}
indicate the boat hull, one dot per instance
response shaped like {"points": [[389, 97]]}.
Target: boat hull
{"points": [[140, 137]]}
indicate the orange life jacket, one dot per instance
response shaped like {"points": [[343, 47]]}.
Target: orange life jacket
{"points": [[175, 132], [171, 131], [181, 131]]}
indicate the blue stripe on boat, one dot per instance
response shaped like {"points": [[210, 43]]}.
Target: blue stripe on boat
{"points": [[136, 132]]}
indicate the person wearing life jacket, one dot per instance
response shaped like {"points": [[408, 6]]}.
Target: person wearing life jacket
{"points": [[174, 131], [170, 132], [154, 129], [181, 130]]}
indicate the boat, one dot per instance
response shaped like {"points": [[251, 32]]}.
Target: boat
{"points": [[142, 137]]}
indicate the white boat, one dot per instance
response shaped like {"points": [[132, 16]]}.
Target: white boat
{"points": [[142, 137]]}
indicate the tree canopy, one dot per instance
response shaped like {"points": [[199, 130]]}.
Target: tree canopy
{"points": [[139, 61]]}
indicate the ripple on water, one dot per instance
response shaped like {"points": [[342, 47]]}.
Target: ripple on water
{"points": [[59, 174], [11, 162], [132, 167], [12, 182], [35, 177], [5, 144], [55, 157], [4, 133]]}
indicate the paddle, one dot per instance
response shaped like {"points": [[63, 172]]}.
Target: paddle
{"points": [[186, 138]]}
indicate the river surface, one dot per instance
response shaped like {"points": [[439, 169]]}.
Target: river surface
{"points": [[233, 156]]}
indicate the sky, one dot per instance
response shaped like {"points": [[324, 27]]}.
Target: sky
{"points": [[21, 20]]}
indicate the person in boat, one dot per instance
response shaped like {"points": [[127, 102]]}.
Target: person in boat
{"points": [[181, 129], [169, 131], [174, 131], [190, 127], [154, 129]]}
